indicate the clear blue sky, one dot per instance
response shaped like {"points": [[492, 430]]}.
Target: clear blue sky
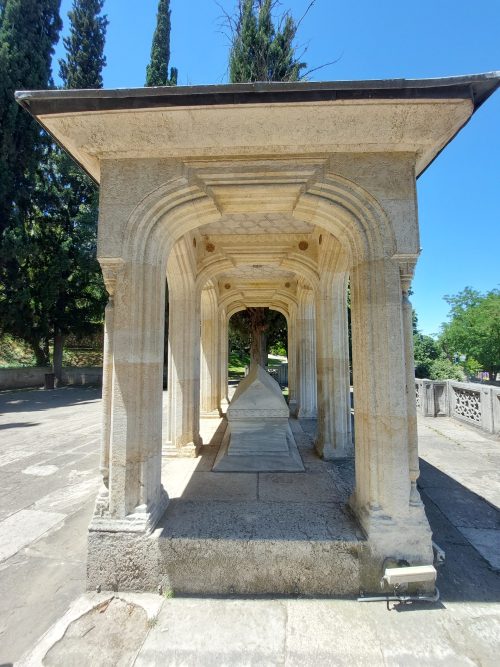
{"points": [[459, 195]]}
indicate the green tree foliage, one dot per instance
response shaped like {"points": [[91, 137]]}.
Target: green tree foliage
{"points": [[79, 302], [426, 351], [57, 286], [85, 58], [254, 330], [474, 328], [260, 51], [29, 29], [157, 70], [444, 369]]}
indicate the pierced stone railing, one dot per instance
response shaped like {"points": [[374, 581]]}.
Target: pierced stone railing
{"points": [[469, 402]]}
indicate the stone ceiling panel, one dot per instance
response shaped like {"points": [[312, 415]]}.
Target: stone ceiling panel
{"points": [[246, 223]]}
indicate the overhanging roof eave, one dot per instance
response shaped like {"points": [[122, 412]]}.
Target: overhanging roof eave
{"points": [[477, 87]]}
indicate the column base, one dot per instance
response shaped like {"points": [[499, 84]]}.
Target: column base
{"points": [[142, 520], [188, 451], [210, 414], [406, 537], [329, 452], [307, 414]]}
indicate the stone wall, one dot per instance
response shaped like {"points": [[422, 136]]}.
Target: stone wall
{"points": [[21, 378], [475, 404]]}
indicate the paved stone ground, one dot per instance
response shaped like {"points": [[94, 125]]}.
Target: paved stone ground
{"points": [[49, 444]]}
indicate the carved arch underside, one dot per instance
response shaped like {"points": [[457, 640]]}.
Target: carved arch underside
{"points": [[332, 203]]}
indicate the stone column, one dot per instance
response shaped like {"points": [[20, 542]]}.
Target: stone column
{"points": [[306, 367], [334, 439], [110, 271], [382, 495], [209, 371], [223, 361], [184, 371], [132, 399], [406, 269], [292, 359]]}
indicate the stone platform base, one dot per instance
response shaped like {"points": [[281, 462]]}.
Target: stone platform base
{"points": [[250, 533], [242, 548]]}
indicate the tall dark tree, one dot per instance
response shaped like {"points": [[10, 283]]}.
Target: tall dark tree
{"points": [[84, 45], [157, 70], [29, 29], [58, 288], [260, 51], [80, 299]]}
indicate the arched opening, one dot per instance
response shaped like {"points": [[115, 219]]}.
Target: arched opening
{"points": [[264, 332], [341, 233]]}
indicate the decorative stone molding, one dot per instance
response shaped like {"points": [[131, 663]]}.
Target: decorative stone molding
{"points": [[112, 270], [406, 271]]}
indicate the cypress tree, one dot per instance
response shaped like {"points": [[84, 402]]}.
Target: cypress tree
{"points": [[85, 58], [57, 288], [259, 50], [157, 70], [29, 29], [79, 301]]}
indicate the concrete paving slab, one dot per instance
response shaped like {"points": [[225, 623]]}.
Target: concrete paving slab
{"points": [[222, 633], [23, 528], [465, 509], [39, 583], [487, 542], [331, 632]]}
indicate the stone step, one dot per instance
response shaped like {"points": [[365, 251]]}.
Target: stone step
{"points": [[245, 548]]}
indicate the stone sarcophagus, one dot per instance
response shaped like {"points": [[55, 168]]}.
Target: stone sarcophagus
{"points": [[258, 437]]}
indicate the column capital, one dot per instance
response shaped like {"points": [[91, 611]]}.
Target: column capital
{"points": [[407, 265], [112, 269]]}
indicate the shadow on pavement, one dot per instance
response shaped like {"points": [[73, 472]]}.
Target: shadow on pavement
{"points": [[466, 575], [34, 400]]}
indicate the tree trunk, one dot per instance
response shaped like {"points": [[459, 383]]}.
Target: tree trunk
{"points": [[57, 357], [258, 325], [263, 349], [41, 357]]}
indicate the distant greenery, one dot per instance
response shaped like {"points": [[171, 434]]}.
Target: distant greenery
{"points": [[52, 284], [426, 350], [261, 50], [469, 342], [15, 353], [157, 69], [474, 329], [444, 369]]}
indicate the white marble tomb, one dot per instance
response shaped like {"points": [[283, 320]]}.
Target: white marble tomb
{"points": [[258, 437]]}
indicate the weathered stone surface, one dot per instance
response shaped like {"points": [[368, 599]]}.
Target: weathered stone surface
{"points": [[223, 547]]}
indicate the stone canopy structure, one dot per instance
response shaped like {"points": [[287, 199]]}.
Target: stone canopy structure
{"points": [[273, 195]]}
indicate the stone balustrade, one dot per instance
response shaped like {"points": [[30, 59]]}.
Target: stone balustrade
{"points": [[473, 403]]}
